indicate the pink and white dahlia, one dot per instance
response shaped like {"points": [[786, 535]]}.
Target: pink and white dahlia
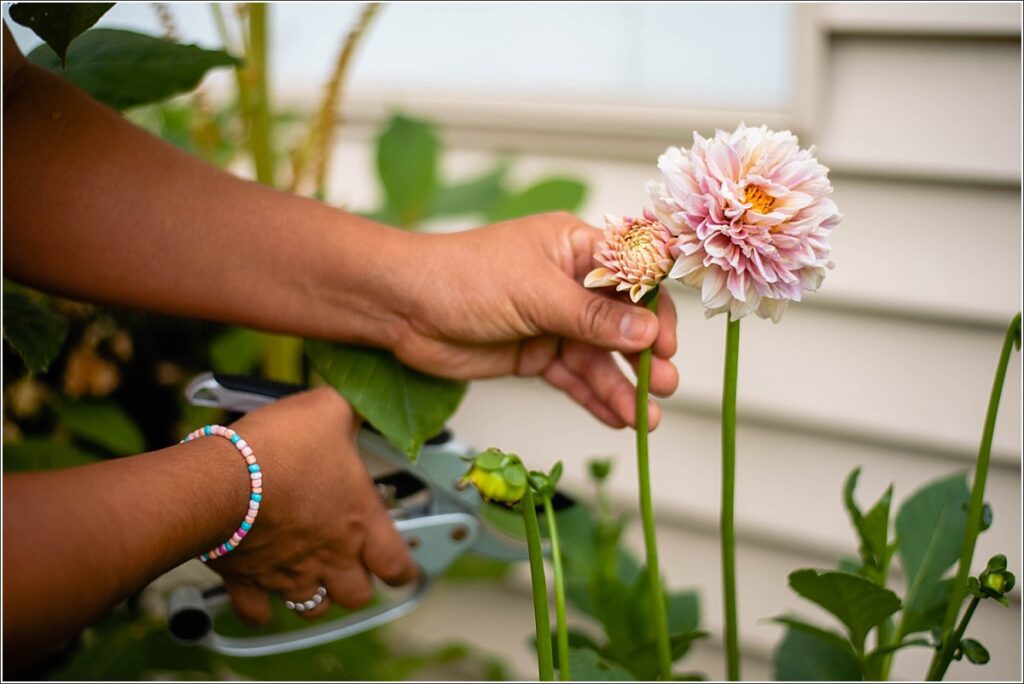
{"points": [[751, 217], [635, 255]]}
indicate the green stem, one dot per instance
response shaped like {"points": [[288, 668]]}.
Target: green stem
{"points": [[938, 667], [728, 533], [260, 143], [643, 382], [545, 660], [561, 623], [942, 658]]}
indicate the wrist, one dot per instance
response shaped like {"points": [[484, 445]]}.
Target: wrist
{"points": [[372, 281]]}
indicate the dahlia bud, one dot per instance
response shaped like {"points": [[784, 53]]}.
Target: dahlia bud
{"points": [[499, 477], [635, 255]]}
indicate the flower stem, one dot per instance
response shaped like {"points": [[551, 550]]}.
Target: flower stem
{"points": [[259, 97], [643, 381], [545, 661], [728, 532], [942, 658], [561, 624]]}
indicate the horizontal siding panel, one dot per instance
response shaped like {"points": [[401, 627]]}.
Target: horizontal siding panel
{"points": [[960, 18], [788, 485], [925, 383], [950, 107]]}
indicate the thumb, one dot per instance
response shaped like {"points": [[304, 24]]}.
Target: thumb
{"points": [[585, 316]]}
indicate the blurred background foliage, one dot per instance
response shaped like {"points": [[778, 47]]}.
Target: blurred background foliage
{"points": [[83, 382]]}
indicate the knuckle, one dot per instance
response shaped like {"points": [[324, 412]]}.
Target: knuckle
{"points": [[592, 316]]}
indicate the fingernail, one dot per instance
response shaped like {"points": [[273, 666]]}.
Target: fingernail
{"points": [[634, 327]]}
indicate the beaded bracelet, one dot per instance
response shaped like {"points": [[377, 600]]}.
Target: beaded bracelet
{"points": [[255, 484]]}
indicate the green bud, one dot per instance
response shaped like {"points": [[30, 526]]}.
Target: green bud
{"points": [[997, 562], [541, 484], [974, 651], [555, 475], [600, 468], [986, 517], [499, 477], [974, 587]]}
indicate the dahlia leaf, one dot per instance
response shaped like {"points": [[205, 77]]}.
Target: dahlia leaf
{"points": [[858, 603], [809, 653], [406, 406], [930, 527]]}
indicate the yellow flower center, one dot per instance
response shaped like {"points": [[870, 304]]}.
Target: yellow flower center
{"points": [[638, 238], [760, 201]]}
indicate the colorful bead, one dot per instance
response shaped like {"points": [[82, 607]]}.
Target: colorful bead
{"points": [[255, 486]]}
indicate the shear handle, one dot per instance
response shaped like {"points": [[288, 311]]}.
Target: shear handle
{"points": [[243, 393]]}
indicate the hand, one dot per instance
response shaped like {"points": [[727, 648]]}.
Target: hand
{"points": [[323, 522], [508, 299]]}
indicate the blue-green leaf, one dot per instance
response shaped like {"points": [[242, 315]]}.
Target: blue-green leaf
{"points": [[32, 330], [872, 529], [407, 406], [857, 602], [59, 23], [125, 69]]}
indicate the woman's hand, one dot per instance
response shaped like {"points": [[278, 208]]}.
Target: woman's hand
{"points": [[508, 299], [323, 522]]}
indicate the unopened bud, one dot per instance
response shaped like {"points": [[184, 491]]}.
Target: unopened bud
{"points": [[499, 477]]}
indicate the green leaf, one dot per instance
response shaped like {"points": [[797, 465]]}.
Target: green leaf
{"points": [[814, 655], [31, 329], [125, 69], [930, 527], [859, 603], [477, 196], [407, 406], [872, 528], [587, 665], [931, 608], [407, 153], [874, 660], [553, 194], [837, 640], [683, 612], [59, 23], [236, 351], [103, 423], [43, 454]]}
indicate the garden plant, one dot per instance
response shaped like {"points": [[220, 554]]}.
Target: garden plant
{"points": [[743, 216]]}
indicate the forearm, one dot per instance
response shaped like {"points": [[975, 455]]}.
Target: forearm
{"points": [[119, 524], [96, 208]]}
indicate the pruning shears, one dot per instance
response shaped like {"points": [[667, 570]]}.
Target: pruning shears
{"points": [[439, 523]]}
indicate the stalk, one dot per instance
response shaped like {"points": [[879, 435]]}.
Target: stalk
{"points": [[545, 660], [260, 144], [660, 619], [561, 623], [728, 532], [942, 658], [282, 354]]}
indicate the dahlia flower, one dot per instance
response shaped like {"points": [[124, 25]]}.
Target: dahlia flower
{"points": [[751, 219], [635, 255]]}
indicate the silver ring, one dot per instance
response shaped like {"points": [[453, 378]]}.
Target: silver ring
{"points": [[309, 604]]}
